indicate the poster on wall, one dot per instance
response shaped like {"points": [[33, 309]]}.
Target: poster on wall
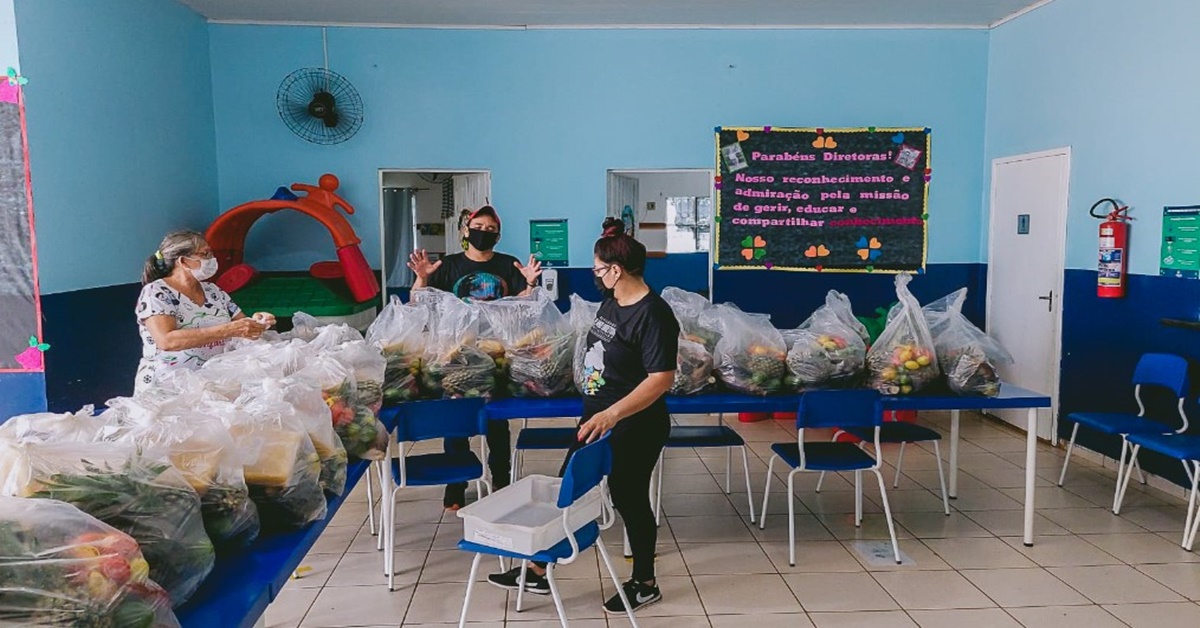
{"points": [[21, 345], [548, 242], [1180, 250], [815, 199]]}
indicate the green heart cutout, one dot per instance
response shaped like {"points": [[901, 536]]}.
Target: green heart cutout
{"points": [[748, 241], [760, 253], [924, 216], [870, 269], [871, 129]]}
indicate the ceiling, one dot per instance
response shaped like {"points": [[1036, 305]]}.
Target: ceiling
{"points": [[619, 13]]}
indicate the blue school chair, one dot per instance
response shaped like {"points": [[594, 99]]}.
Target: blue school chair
{"points": [[587, 469], [1159, 370], [426, 420], [831, 409], [1184, 448]]}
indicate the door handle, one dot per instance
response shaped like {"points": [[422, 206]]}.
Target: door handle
{"points": [[1049, 299]]}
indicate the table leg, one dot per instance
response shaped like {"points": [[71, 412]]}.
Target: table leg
{"points": [[387, 529], [954, 418], [1031, 439]]}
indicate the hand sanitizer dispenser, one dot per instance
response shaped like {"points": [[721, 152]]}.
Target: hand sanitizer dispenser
{"points": [[550, 282]]}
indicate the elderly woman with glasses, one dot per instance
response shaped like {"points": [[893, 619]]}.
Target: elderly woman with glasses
{"points": [[183, 319]]}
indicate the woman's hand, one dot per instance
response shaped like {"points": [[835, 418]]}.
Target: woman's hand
{"points": [[530, 271], [246, 328], [419, 263], [597, 426]]}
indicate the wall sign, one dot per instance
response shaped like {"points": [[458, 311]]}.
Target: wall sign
{"points": [[814, 199], [1180, 251], [548, 241]]}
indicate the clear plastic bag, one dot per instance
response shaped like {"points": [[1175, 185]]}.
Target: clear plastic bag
{"points": [[201, 448], [825, 351], [77, 427], [581, 317], [693, 368], [59, 566], [454, 366], [135, 490], [361, 432], [839, 304], [281, 465], [399, 333], [902, 360], [966, 354], [537, 340], [688, 306], [750, 356]]}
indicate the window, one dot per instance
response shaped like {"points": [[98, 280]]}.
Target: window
{"points": [[689, 224]]}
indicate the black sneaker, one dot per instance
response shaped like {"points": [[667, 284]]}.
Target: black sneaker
{"points": [[640, 595], [538, 585]]}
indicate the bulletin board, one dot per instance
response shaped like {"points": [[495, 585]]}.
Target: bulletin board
{"points": [[815, 199], [21, 345]]}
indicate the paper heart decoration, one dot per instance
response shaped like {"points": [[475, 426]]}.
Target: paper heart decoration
{"points": [[820, 131], [753, 254], [768, 266], [766, 129], [810, 251], [870, 129], [874, 243], [820, 268], [743, 136], [825, 141], [898, 138]]}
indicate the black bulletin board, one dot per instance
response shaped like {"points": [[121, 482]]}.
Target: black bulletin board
{"points": [[811, 199]]}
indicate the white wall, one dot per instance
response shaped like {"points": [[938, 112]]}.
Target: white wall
{"points": [[8, 36], [656, 187], [429, 204]]}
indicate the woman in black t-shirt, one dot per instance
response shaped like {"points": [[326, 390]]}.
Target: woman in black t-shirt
{"points": [[629, 367]]}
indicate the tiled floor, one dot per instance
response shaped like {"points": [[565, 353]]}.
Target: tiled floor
{"points": [[1088, 567]]}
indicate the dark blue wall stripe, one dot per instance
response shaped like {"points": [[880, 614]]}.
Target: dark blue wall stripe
{"points": [[96, 346]]}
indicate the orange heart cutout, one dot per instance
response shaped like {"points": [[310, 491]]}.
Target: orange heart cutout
{"points": [[822, 251], [864, 253], [749, 254], [829, 143], [759, 242], [819, 142], [875, 243], [811, 251], [743, 136]]}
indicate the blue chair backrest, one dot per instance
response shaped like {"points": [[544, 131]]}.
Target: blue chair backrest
{"points": [[586, 468], [1163, 370], [442, 418], [839, 408]]}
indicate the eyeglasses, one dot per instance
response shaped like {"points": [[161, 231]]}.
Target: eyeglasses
{"points": [[206, 255], [601, 271]]}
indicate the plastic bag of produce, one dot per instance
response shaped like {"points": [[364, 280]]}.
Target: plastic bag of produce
{"points": [[59, 566], [966, 354], [454, 366], [399, 334], [902, 360], [687, 307], [825, 351], [362, 434], [135, 490], [368, 367], [581, 317], [281, 465], [200, 447], [78, 427], [538, 343], [839, 305], [750, 356], [313, 413], [693, 368]]}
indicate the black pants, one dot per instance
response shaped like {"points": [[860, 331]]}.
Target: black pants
{"points": [[499, 443], [636, 446]]}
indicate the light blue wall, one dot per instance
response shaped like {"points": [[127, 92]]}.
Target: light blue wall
{"points": [[121, 133], [1118, 82], [549, 111]]}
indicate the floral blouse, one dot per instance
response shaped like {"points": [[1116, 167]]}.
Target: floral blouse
{"points": [[158, 299]]}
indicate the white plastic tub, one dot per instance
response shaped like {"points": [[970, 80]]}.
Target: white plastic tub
{"points": [[523, 518]]}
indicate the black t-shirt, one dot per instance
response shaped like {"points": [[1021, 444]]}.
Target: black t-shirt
{"points": [[623, 346], [479, 281]]}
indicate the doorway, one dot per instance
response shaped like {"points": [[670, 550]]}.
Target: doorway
{"points": [[1027, 240], [423, 209]]}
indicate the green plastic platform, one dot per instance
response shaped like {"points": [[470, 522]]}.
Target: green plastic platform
{"points": [[284, 295]]}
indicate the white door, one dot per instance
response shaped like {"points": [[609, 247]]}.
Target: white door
{"points": [[1027, 237]]}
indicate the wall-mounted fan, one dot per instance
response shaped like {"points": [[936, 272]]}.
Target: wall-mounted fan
{"points": [[319, 105]]}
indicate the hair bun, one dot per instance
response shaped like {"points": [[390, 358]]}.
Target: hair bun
{"points": [[613, 227]]}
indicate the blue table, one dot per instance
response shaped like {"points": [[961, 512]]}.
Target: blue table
{"points": [[243, 583], [1010, 397]]}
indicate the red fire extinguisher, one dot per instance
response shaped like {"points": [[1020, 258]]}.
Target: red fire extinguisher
{"points": [[1114, 249]]}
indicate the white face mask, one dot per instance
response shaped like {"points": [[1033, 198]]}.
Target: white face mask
{"points": [[208, 268]]}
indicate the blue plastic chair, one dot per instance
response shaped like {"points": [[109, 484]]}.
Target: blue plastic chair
{"points": [[1184, 448], [705, 437], [831, 409], [587, 469], [901, 432], [539, 439], [1159, 370], [426, 420]]}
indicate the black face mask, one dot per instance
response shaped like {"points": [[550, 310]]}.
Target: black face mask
{"points": [[482, 240], [605, 291]]}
